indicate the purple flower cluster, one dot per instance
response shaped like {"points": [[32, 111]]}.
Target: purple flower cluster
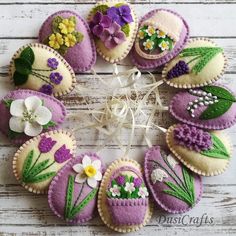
{"points": [[62, 154], [181, 68], [47, 89], [56, 77], [193, 138], [52, 63], [46, 144], [120, 180]]}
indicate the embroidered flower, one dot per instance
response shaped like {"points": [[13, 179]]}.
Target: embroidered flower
{"points": [[121, 15], [112, 36], [46, 144], [143, 192], [148, 45], [141, 34], [88, 171], [62, 154], [66, 26], [70, 40], [150, 30], [56, 40], [160, 34], [172, 161], [56, 77], [99, 23], [120, 179], [29, 116], [164, 45], [129, 187], [158, 175], [47, 89], [115, 191], [52, 63], [137, 182]]}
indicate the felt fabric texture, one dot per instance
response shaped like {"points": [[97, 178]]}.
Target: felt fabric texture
{"points": [[181, 32], [213, 70], [168, 202], [178, 108], [123, 166], [197, 162], [60, 138], [82, 56], [56, 107], [58, 190], [119, 52], [42, 53]]}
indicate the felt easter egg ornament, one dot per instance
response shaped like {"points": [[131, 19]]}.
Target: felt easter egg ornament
{"points": [[27, 113], [114, 26], [211, 107], [69, 34], [175, 188], [204, 152], [200, 63], [38, 67], [72, 194], [162, 34], [123, 202], [39, 159]]}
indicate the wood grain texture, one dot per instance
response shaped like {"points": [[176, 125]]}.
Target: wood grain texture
{"points": [[22, 213]]}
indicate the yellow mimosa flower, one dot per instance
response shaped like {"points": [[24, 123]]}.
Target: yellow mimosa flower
{"points": [[70, 40], [67, 26], [56, 40]]}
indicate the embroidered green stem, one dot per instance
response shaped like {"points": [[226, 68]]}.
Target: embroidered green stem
{"points": [[35, 162], [42, 78], [33, 69], [77, 200], [69, 196]]}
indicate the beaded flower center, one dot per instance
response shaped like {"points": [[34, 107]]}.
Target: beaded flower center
{"points": [[28, 116], [90, 171]]}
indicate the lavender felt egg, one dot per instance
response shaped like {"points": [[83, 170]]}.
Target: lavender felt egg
{"points": [[69, 34]]}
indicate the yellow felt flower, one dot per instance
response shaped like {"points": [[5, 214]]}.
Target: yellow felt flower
{"points": [[141, 34], [164, 45], [150, 30], [161, 34], [148, 45], [70, 40], [67, 26], [56, 40]]}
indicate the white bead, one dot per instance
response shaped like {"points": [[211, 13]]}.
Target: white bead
{"points": [[201, 99], [206, 103], [204, 93], [192, 110], [188, 108], [209, 94], [192, 115], [216, 101], [214, 97], [196, 101], [199, 92], [211, 102], [195, 106], [201, 104], [190, 103], [206, 98]]}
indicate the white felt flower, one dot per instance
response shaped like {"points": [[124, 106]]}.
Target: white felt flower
{"points": [[129, 187], [88, 171], [172, 161], [115, 191], [28, 116], [164, 45], [143, 192], [161, 34], [158, 175], [148, 45]]}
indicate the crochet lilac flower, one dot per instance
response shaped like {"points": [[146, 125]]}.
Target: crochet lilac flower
{"points": [[112, 36], [120, 179], [137, 182], [56, 77], [121, 15], [62, 154], [193, 138], [99, 23], [47, 89], [46, 144], [52, 63]]}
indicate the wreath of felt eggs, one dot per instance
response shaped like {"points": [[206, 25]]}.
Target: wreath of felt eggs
{"points": [[76, 185]]}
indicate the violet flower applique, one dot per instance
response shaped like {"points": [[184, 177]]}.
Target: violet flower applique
{"points": [[52, 63], [62, 154], [46, 144], [56, 78], [47, 89], [112, 36], [121, 15], [99, 23], [120, 179], [137, 182]]}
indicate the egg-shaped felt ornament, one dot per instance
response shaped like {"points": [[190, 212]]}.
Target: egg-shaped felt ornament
{"points": [[38, 67], [69, 34], [162, 34], [123, 202], [28, 113]]}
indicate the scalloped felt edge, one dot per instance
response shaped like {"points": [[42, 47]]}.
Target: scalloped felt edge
{"points": [[90, 37], [170, 55], [33, 92], [54, 52], [102, 191], [132, 39], [159, 203], [210, 127], [14, 163], [191, 167], [186, 86]]}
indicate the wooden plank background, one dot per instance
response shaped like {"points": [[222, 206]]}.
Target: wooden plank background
{"points": [[22, 213]]}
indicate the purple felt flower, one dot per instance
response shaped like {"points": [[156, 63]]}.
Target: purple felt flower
{"points": [[112, 36], [56, 77], [47, 89], [52, 63], [121, 15], [46, 144], [62, 154], [137, 182], [120, 180], [99, 23]]}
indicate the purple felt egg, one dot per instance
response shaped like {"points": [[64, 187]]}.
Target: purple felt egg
{"points": [[72, 194], [161, 36], [174, 188], [27, 113], [211, 107], [69, 34]]}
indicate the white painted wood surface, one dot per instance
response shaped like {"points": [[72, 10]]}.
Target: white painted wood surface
{"points": [[22, 213]]}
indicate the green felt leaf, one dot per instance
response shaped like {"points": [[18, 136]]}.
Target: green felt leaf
{"points": [[46, 41], [28, 55], [196, 51], [7, 102], [55, 23], [79, 36], [120, 4], [170, 41], [27, 164], [50, 124], [126, 29], [12, 134], [73, 19], [188, 180], [41, 178], [37, 169], [101, 8], [63, 49], [216, 110], [131, 179], [113, 182], [69, 196], [19, 79], [22, 66], [126, 179], [219, 92]]}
